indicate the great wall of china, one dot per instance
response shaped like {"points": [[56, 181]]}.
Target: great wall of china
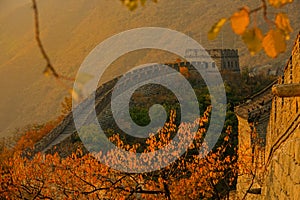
{"points": [[269, 128], [227, 59]]}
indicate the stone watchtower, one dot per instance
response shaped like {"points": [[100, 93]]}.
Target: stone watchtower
{"points": [[226, 59]]}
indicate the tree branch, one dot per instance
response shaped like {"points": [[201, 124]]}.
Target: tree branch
{"points": [[49, 66]]}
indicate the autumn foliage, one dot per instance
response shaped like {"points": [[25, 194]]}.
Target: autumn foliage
{"points": [[33, 134], [273, 41], [133, 4], [81, 176], [30, 135]]}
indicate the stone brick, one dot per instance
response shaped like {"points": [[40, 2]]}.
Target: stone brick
{"points": [[295, 173], [296, 192], [292, 149], [283, 179], [285, 187], [275, 185], [288, 186], [282, 195], [297, 150], [285, 163]]}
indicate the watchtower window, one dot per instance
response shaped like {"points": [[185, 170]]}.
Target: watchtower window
{"points": [[206, 65]]}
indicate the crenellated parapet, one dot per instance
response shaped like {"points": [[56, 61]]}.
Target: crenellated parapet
{"points": [[224, 59], [275, 117], [283, 136]]}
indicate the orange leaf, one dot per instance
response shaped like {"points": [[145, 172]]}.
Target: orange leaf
{"points": [[47, 72], [279, 3], [74, 95], [226, 138], [283, 23], [184, 71], [253, 39], [214, 31], [240, 21], [178, 60], [274, 43]]}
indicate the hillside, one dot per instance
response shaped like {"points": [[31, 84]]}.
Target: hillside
{"points": [[71, 30]]}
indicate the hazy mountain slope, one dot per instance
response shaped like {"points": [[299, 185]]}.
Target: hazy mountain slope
{"points": [[71, 29]]}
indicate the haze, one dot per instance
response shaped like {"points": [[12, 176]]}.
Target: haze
{"points": [[71, 29]]}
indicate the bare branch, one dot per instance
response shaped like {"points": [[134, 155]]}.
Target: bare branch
{"points": [[39, 42]]}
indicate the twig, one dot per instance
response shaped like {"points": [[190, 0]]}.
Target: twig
{"points": [[256, 9], [39, 42], [265, 14]]}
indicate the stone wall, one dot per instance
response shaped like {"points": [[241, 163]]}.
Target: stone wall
{"points": [[282, 179], [225, 59], [47, 140], [244, 131], [103, 93], [283, 138], [279, 176], [253, 117]]}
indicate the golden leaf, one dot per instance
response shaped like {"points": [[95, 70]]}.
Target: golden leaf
{"points": [[274, 43], [279, 3], [131, 4], [240, 21], [253, 39], [283, 23], [178, 60], [184, 71], [143, 2], [215, 29], [226, 138], [74, 95], [47, 72], [215, 181]]}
